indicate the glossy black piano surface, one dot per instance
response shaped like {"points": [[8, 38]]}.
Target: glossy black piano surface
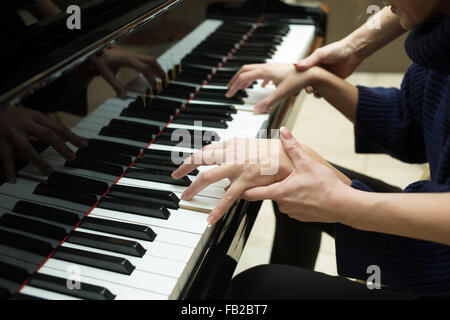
{"points": [[48, 210]]}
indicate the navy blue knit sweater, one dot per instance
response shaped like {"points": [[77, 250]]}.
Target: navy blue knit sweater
{"points": [[411, 124]]}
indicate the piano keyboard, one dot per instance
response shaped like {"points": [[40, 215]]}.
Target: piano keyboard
{"points": [[111, 225]]}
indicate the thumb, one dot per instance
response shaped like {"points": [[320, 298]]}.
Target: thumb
{"points": [[309, 62], [292, 148], [261, 193]]}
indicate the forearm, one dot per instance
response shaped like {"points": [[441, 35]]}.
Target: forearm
{"points": [[364, 41], [338, 92], [424, 216]]}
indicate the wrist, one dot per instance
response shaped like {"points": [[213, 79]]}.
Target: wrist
{"points": [[343, 204]]}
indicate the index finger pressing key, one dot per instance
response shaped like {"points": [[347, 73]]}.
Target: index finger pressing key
{"points": [[233, 193], [210, 155]]}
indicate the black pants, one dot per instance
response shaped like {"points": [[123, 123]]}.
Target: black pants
{"points": [[290, 274]]}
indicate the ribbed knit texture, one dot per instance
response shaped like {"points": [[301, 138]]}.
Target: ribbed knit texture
{"points": [[411, 124]]}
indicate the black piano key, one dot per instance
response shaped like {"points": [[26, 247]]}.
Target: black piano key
{"points": [[140, 163], [28, 266], [13, 273], [96, 165], [166, 198], [115, 147], [128, 247], [126, 134], [153, 164], [146, 113], [118, 123], [206, 111], [8, 288], [164, 153], [17, 241], [64, 193], [166, 139], [103, 155], [191, 119], [223, 107], [55, 284], [136, 207], [76, 182], [95, 260], [32, 226], [47, 213], [156, 176], [206, 96], [135, 231]]}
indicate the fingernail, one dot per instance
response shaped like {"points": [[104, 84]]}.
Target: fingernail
{"points": [[286, 133], [185, 195], [211, 219]]}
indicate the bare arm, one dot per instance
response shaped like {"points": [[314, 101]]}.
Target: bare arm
{"points": [[314, 193], [342, 57], [338, 92], [422, 216]]}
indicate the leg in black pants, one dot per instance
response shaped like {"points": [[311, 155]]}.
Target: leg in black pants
{"points": [[294, 253]]}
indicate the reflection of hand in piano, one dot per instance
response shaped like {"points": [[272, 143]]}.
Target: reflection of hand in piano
{"points": [[18, 124], [113, 58], [247, 163]]}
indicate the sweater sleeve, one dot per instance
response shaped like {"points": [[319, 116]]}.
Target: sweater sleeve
{"points": [[423, 186], [389, 120]]}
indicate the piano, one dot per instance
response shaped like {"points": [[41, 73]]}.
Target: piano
{"points": [[110, 224]]}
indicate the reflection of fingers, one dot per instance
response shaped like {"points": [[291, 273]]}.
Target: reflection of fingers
{"points": [[52, 139], [24, 146], [7, 155], [234, 192], [109, 76], [144, 68], [62, 131], [153, 64], [205, 179]]}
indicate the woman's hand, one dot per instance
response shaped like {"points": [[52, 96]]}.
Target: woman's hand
{"points": [[18, 124], [338, 57], [268, 72], [292, 84], [309, 193], [245, 162], [114, 58]]}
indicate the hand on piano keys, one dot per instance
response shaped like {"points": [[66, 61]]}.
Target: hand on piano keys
{"points": [[110, 60], [288, 80], [18, 124], [247, 163], [268, 72]]}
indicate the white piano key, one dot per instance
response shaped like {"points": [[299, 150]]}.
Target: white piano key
{"points": [[147, 263], [45, 294], [121, 292], [138, 279]]}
